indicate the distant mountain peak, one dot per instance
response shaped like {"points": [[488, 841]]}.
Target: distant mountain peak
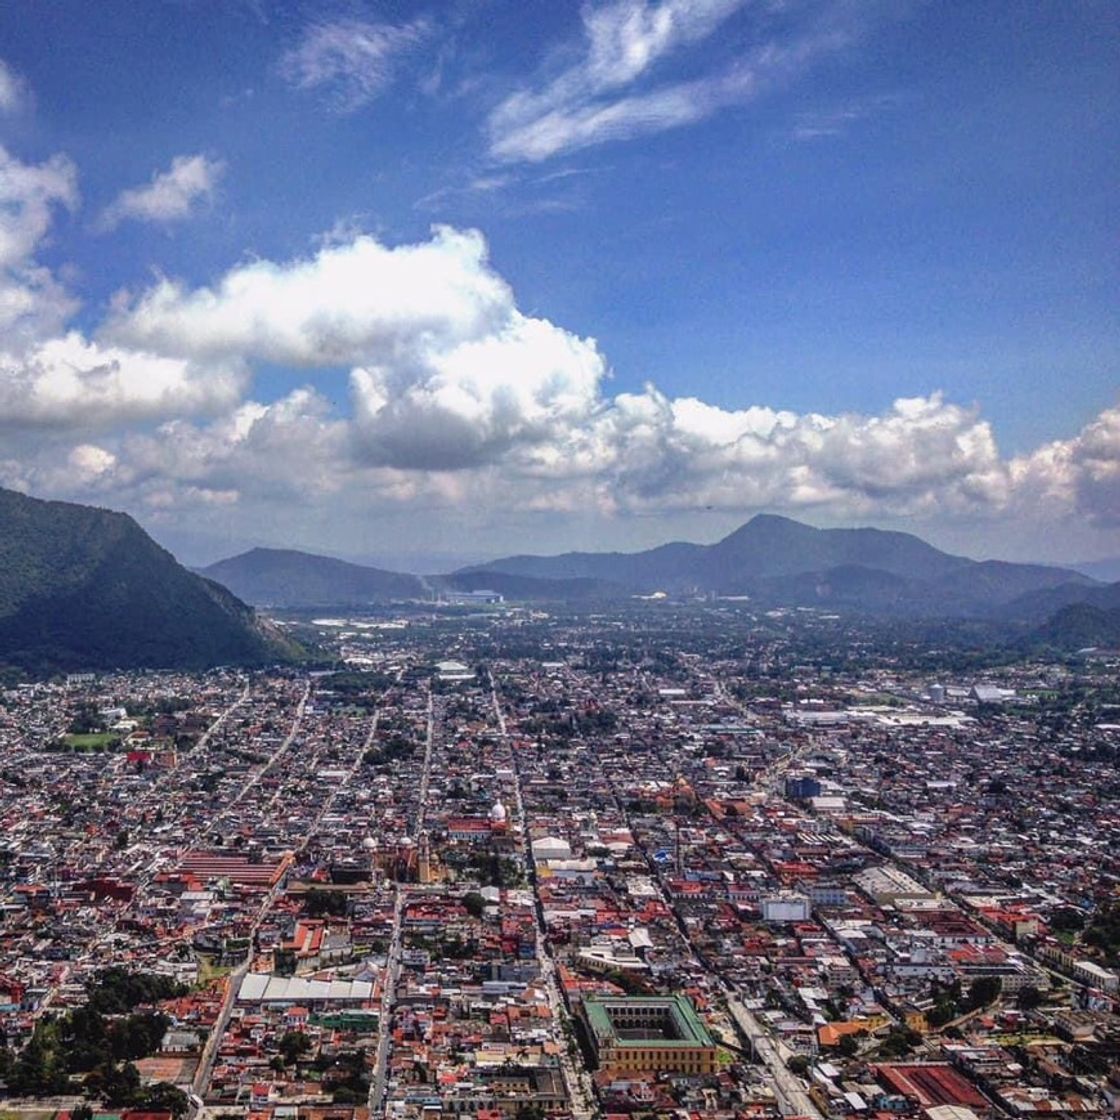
{"points": [[285, 577], [781, 560]]}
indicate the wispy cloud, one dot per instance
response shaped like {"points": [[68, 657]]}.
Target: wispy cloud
{"points": [[13, 89], [171, 196], [513, 193], [353, 60], [597, 98], [480, 185], [821, 124]]}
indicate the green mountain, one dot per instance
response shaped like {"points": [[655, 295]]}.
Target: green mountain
{"points": [[1040, 605], [86, 588], [276, 577], [1081, 626]]}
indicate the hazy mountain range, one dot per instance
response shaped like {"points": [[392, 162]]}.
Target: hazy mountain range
{"points": [[88, 588], [1107, 570], [775, 560]]}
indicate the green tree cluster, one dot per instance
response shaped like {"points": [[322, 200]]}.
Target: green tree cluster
{"points": [[319, 903], [1103, 932], [97, 1044]]}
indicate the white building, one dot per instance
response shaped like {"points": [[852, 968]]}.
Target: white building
{"points": [[1095, 976], [785, 906], [551, 847]]}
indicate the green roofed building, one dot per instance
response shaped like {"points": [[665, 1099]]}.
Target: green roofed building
{"points": [[660, 1033]]}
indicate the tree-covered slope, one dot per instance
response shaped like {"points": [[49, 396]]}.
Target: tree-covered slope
{"points": [[88, 588], [1080, 626]]}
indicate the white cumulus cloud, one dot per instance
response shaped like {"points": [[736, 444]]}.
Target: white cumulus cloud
{"points": [[74, 383], [32, 301], [170, 196], [1080, 474], [526, 384], [446, 372], [686, 454], [456, 388], [349, 304]]}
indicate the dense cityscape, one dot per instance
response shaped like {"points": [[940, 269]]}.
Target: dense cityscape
{"points": [[490, 861]]}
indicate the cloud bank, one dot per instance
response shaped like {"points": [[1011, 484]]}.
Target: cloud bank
{"points": [[455, 398], [456, 393]]}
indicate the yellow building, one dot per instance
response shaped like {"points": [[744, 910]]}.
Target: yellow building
{"points": [[662, 1034]]}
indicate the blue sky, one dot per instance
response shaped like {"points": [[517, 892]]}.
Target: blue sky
{"points": [[852, 262]]}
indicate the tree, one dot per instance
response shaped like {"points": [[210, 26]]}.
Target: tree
{"points": [[899, 1042], [848, 1046], [1067, 919], [116, 991], [162, 1097], [119, 1084], [942, 1012], [1029, 998], [320, 902], [293, 1045], [798, 1064], [982, 991], [475, 904], [1104, 932]]}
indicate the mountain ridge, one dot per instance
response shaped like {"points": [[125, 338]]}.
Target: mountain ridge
{"points": [[83, 587], [775, 559], [289, 577], [778, 559]]}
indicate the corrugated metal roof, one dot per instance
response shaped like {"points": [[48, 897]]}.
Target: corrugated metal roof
{"points": [[259, 987]]}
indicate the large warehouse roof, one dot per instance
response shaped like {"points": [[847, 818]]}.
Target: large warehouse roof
{"points": [[260, 987]]}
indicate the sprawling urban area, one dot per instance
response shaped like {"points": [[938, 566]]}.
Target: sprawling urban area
{"points": [[671, 860]]}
